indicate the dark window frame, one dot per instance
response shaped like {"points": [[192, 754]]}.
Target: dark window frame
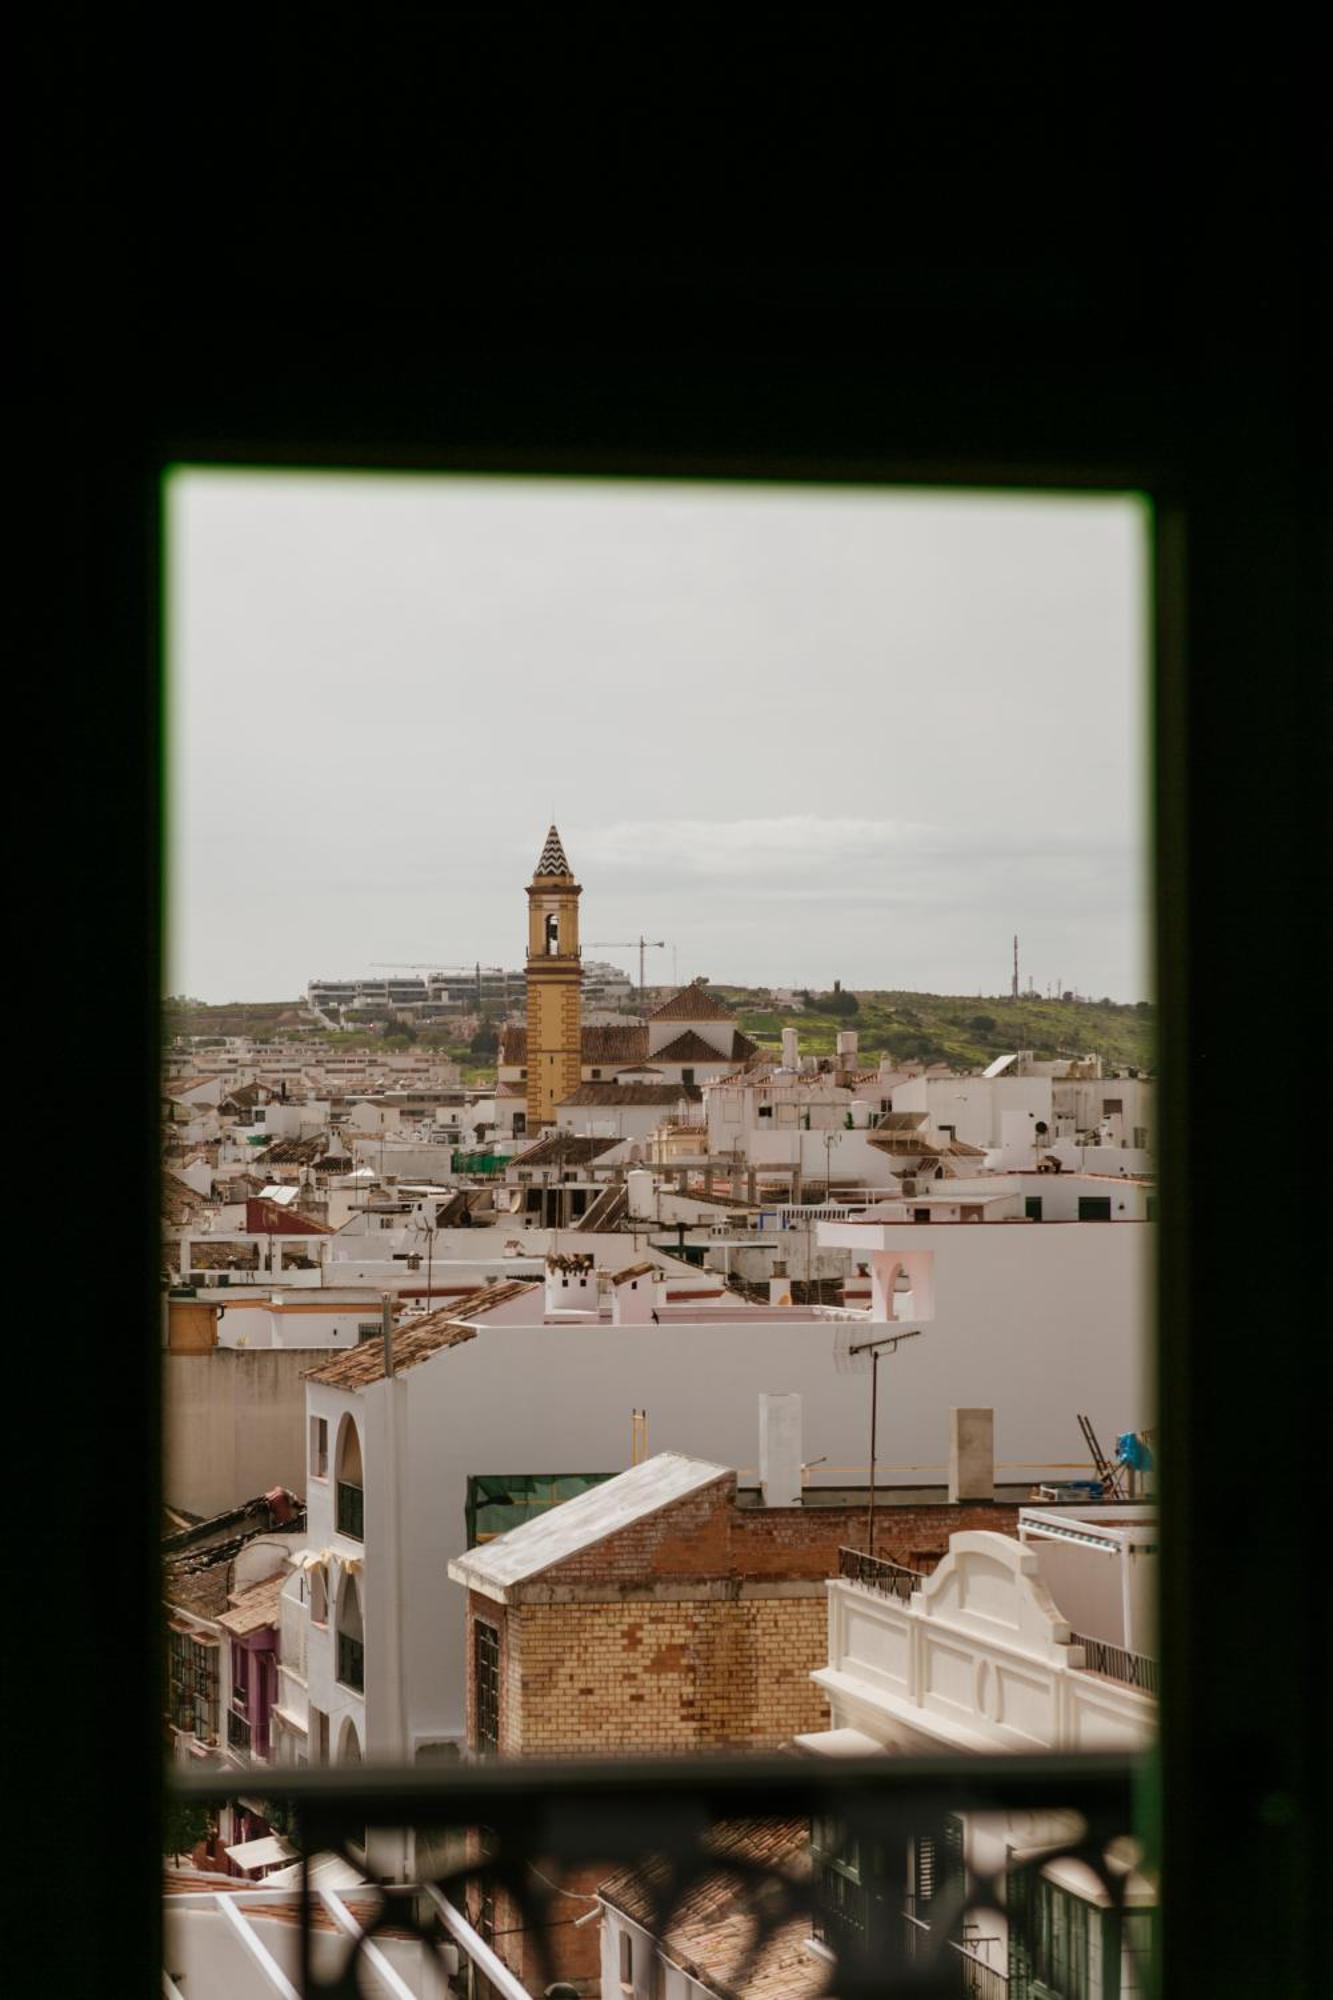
{"points": [[1118, 356], [486, 1658]]}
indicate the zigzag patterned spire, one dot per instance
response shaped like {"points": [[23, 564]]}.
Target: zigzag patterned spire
{"points": [[553, 860]]}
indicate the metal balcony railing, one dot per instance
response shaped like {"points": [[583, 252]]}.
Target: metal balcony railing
{"points": [[672, 1819], [980, 1979], [878, 1574], [1137, 1670]]}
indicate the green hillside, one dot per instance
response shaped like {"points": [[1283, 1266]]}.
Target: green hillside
{"points": [[262, 1019], [958, 1029]]}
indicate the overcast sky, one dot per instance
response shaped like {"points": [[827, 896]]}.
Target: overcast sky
{"points": [[800, 734]]}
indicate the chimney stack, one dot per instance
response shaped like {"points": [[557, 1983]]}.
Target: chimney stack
{"points": [[780, 1450], [971, 1455]]}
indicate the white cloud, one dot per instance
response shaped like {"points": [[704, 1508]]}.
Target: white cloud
{"points": [[737, 849]]}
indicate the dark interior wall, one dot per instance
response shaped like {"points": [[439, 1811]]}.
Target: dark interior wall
{"points": [[999, 260]]}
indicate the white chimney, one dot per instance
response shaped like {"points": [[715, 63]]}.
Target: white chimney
{"points": [[780, 1450], [847, 1047], [633, 1297], [791, 1048], [572, 1290]]}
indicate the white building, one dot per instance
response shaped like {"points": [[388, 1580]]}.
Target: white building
{"points": [[983, 1655], [1036, 1324]]}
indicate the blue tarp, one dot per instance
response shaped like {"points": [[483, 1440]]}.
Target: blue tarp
{"points": [[1133, 1452]]}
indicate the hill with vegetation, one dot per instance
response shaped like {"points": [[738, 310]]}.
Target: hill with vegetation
{"points": [[964, 1030]]}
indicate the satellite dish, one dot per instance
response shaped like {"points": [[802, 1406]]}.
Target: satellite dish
{"points": [[846, 1335]]}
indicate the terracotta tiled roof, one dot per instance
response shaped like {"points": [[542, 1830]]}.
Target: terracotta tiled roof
{"points": [[692, 1003], [633, 1271], [180, 1202], [603, 1042], [614, 1042], [622, 1094], [359, 1366], [297, 1152], [689, 1047], [709, 1932], [254, 1608], [485, 1300], [197, 1561], [552, 860]]}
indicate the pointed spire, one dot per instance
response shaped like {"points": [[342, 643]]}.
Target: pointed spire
{"points": [[553, 860]]}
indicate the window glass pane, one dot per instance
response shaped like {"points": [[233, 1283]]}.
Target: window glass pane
{"points": [[690, 1073]]}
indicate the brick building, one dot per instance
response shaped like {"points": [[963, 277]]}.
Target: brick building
{"points": [[660, 1612]]}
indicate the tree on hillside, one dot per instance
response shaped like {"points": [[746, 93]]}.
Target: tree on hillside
{"points": [[486, 1041]]}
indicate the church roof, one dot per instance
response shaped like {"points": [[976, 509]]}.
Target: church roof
{"points": [[553, 861], [601, 1042], [692, 1003], [621, 1094], [689, 1047]]}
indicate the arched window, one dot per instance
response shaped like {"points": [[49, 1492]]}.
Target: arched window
{"points": [[349, 1743], [350, 1496], [351, 1635], [319, 1595]]}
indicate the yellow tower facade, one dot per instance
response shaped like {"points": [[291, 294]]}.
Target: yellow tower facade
{"points": [[554, 981]]}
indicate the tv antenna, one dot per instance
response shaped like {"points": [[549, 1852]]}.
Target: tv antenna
{"points": [[852, 1357]]}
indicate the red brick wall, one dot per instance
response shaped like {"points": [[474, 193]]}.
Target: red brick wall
{"points": [[708, 1535]]}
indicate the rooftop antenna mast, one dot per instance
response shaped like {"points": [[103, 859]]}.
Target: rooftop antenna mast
{"points": [[1014, 990], [850, 1355]]}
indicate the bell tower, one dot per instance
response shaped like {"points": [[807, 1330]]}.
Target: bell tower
{"points": [[554, 982]]}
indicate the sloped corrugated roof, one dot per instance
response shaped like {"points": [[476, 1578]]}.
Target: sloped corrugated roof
{"points": [[589, 1518], [563, 1149], [606, 1211]]}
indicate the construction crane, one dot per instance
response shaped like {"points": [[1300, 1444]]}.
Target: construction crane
{"points": [[642, 944]]}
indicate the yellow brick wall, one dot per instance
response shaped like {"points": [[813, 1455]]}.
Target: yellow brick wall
{"points": [[663, 1676], [554, 1027]]}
